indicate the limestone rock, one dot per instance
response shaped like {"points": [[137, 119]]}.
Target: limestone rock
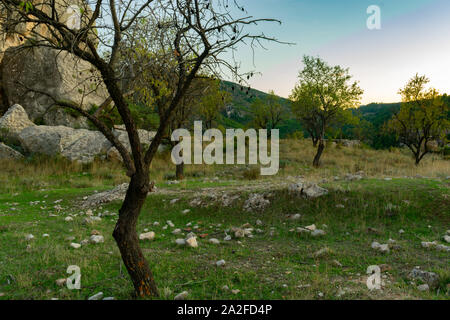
{"points": [[60, 74], [13, 122], [74, 144], [9, 153], [430, 278], [147, 236]]}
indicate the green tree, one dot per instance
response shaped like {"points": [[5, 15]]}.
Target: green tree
{"points": [[268, 113], [423, 117], [320, 97]]}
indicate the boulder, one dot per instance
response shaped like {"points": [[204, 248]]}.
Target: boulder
{"points": [[9, 153], [28, 72], [74, 144], [13, 122], [430, 278], [307, 189]]}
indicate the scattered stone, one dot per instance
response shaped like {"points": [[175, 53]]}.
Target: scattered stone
{"points": [[9, 153], [353, 177], [308, 189], [75, 245], [311, 227], [170, 224], [109, 298], [214, 241], [181, 296], [96, 239], [259, 222], [173, 201], [235, 291], [227, 238], [71, 238], [430, 278], [97, 199], [45, 235], [180, 242], [447, 238], [176, 231], [97, 296], [423, 287], [256, 202], [225, 288], [239, 233], [84, 242], [29, 237], [61, 282], [192, 242], [318, 233], [186, 211], [441, 247], [429, 245], [68, 219], [302, 230], [147, 236], [220, 263], [323, 252], [380, 247], [294, 217], [337, 263], [401, 231]]}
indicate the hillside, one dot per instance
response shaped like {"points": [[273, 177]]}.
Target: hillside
{"points": [[237, 114]]}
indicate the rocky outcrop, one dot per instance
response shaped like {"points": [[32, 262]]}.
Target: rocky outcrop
{"points": [[25, 72], [9, 153], [74, 144], [13, 122], [30, 76], [307, 189]]}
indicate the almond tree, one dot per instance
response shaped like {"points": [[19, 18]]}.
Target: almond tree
{"points": [[200, 32], [423, 117], [322, 93]]}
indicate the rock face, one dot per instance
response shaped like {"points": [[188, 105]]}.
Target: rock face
{"points": [[9, 153], [74, 144], [59, 74], [13, 122]]}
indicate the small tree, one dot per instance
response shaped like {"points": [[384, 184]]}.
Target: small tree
{"points": [[198, 32], [423, 117], [268, 113], [322, 94]]}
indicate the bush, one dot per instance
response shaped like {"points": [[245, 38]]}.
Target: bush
{"points": [[252, 173]]}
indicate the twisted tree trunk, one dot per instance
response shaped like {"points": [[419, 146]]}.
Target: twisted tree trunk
{"points": [[127, 239], [316, 161]]}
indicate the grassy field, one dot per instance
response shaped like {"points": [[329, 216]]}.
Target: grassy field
{"points": [[276, 263]]}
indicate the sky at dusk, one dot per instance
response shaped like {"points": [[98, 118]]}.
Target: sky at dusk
{"points": [[414, 38]]}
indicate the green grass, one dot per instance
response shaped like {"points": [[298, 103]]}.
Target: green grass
{"points": [[267, 266]]}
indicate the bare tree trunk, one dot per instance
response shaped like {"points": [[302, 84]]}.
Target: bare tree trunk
{"points": [[127, 239], [180, 171], [314, 142], [316, 161]]}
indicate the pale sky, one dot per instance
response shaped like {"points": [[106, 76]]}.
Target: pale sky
{"points": [[414, 37]]}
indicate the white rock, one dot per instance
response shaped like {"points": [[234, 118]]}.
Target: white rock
{"points": [[147, 236], [192, 242], [259, 222], [429, 245], [46, 235], [97, 296], [447, 238], [182, 296], [401, 231], [311, 227], [173, 201], [227, 238], [176, 231], [29, 237], [214, 241], [68, 219], [375, 245], [109, 298], [96, 239], [318, 233], [220, 263], [384, 248], [423, 287], [75, 245], [61, 282], [170, 223], [180, 242], [186, 211]]}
